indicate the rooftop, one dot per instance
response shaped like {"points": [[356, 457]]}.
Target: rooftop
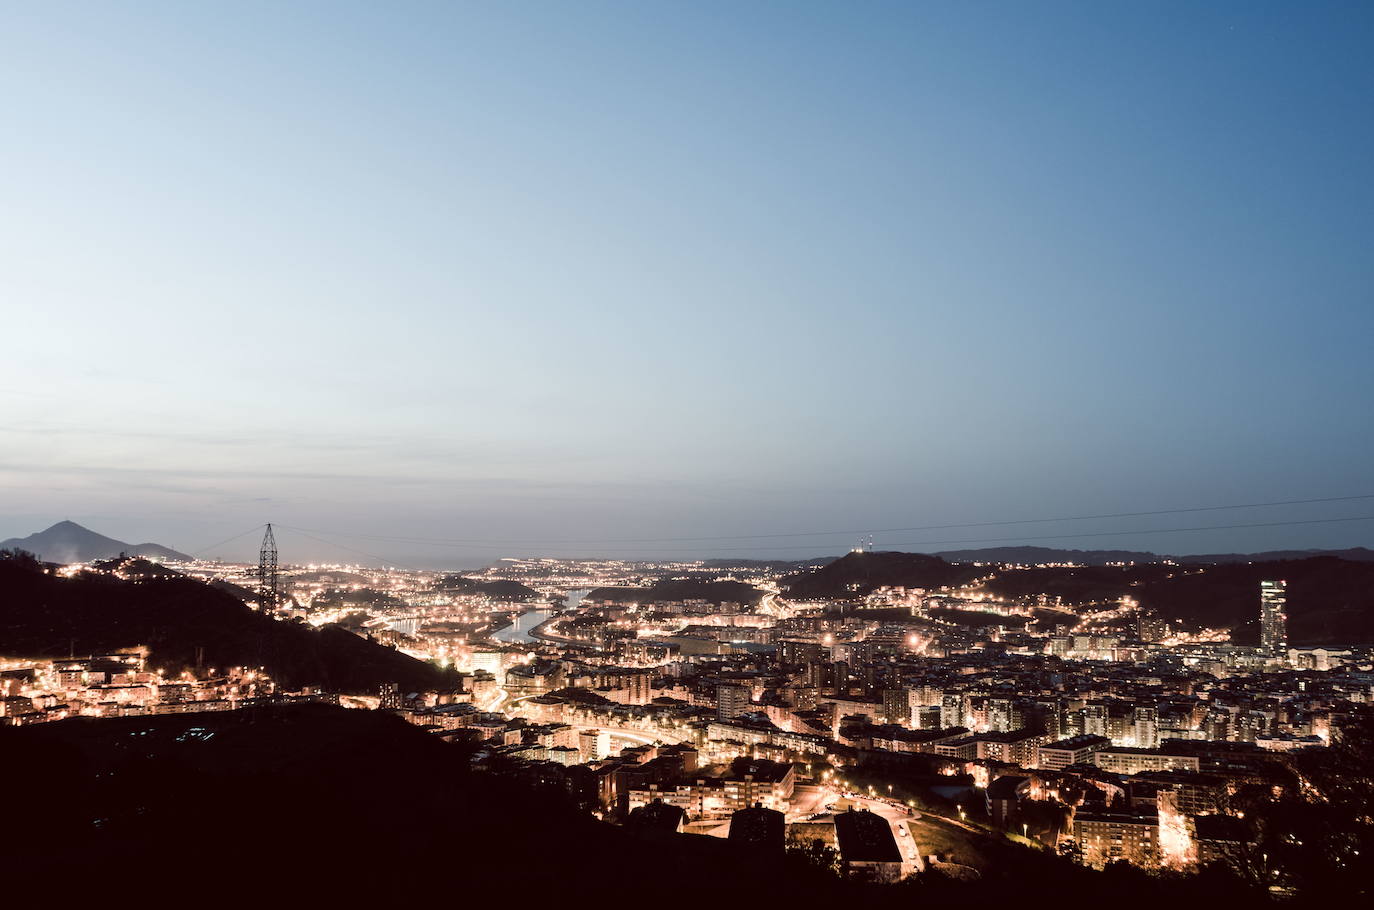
{"points": [[866, 838]]}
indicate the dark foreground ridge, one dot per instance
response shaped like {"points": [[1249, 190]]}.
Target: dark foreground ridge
{"points": [[317, 802], [45, 615], [322, 801]]}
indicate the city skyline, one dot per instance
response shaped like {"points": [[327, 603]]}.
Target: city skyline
{"points": [[67, 541], [922, 720], [778, 454], [638, 271]]}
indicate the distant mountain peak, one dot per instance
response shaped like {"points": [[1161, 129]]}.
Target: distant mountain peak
{"points": [[68, 542]]}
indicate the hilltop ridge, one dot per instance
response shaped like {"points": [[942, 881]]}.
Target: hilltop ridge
{"points": [[68, 542], [44, 615], [1330, 598]]}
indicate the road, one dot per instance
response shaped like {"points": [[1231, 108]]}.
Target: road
{"points": [[634, 736], [809, 799], [772, 604]]}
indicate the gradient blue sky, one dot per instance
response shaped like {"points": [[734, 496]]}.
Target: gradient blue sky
{"points": [[627, 270]]}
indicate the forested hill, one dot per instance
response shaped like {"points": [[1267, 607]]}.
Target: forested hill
{"points": [[857, 574], [1048, 555], [45, 615], [1330, 600], [669, 590], [1042, 555], [500, 589]]}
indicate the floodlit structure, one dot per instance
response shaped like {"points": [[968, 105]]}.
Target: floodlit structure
{"points": [[1274, 618]]}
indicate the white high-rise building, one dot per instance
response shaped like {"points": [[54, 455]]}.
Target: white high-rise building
{"points": [[491, 661], [593, 745], [732, 701], [1274, 618], [1146, 728]]}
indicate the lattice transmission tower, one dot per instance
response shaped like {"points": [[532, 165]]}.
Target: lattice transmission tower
{"points": [[269, 592]]}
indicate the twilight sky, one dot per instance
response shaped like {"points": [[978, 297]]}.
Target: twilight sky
{"points": [[518, 274]]}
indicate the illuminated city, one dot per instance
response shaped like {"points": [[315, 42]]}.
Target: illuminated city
{"points": [[636, 453], [698, 697]]}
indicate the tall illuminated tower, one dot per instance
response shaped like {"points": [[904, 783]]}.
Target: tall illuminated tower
{"points": [[1274, 618], [269, 591]]}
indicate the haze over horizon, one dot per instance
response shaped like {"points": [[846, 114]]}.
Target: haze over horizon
{"points": [[587, 277]]}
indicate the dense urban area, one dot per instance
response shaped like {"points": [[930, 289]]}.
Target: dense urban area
{"points": [[878, 731]]}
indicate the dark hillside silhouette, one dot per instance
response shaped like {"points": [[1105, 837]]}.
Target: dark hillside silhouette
{"points": [[857, 574], [667, 590], [1330, 600], [500, 589], [325, 806], [44, 615]]}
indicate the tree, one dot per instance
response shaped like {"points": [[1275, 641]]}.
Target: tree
{"points": [[1316, 836], [21, 559], [1070, 849], [816, 854]]}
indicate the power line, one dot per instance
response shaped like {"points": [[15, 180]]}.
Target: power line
{"points": [[488, 543], [1026, 521], [923, 543], [1091, 534], [382, 559], [1081, 536], [216, 546]]}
